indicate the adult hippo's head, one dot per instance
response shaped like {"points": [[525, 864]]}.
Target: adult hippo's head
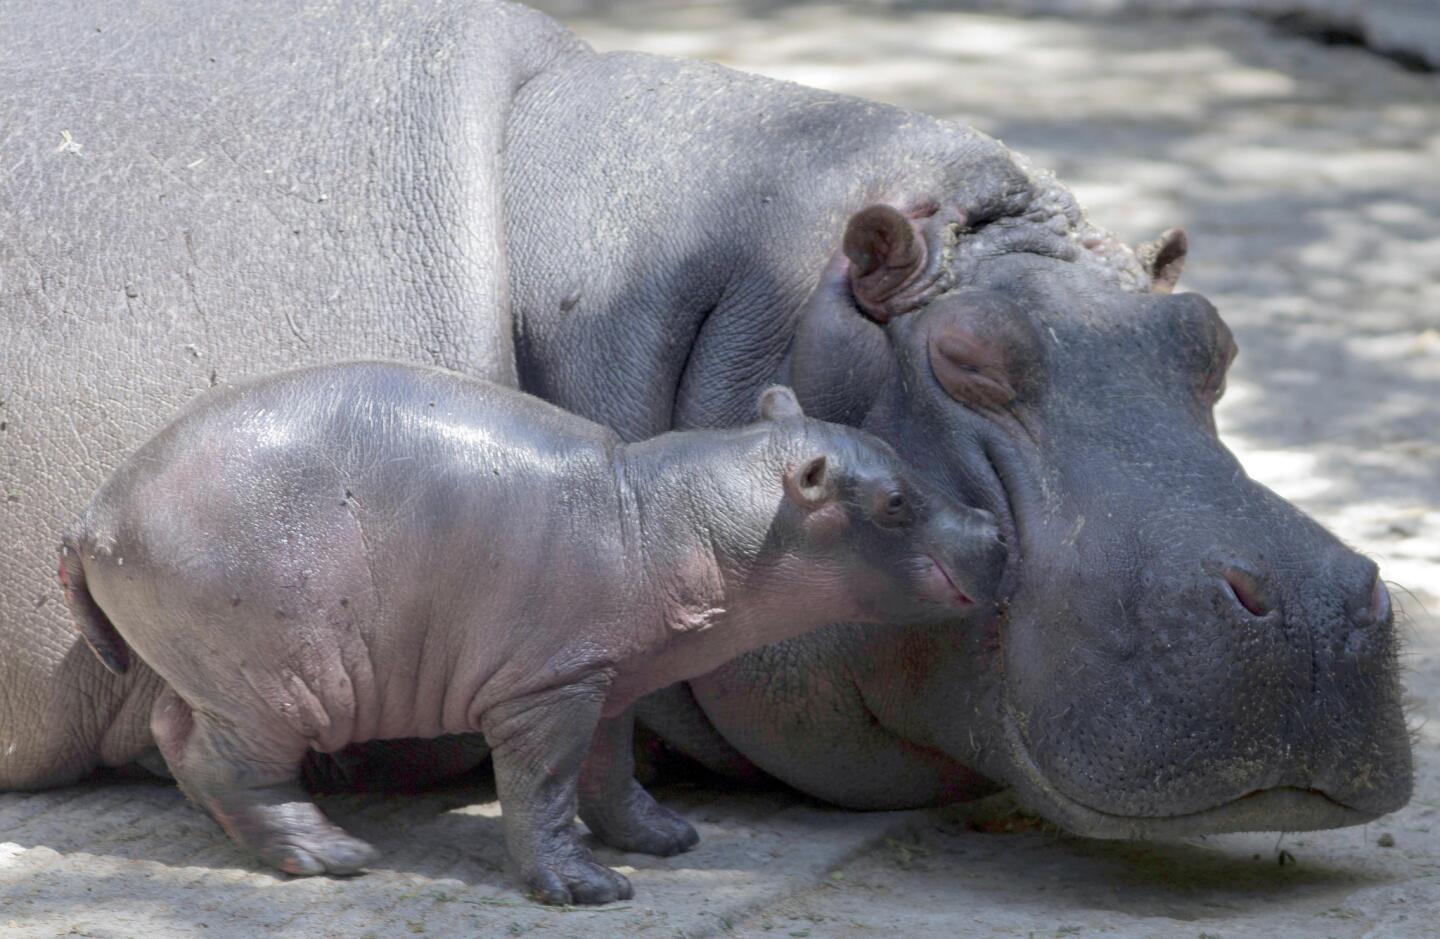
{"points": [[1182, 651]]}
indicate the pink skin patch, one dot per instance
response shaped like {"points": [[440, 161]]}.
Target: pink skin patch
{"points": [[936, 585]]}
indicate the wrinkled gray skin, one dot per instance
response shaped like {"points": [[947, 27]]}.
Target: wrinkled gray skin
{"points": [[373, 551], [250, 189]]}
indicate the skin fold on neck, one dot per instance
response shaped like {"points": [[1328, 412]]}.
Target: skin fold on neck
{"points": [[701, 562]]}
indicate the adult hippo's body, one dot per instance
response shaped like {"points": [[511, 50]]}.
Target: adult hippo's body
{"points": [[190, 195]]}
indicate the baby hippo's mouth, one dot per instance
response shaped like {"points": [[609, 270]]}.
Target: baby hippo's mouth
{"points": [[936, 584]]}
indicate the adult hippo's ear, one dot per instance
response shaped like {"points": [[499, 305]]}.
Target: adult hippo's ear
{"points": [[886, 253], [777, 403], [1164, 259], [891, 263]]}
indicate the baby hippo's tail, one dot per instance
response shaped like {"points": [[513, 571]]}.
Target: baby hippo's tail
{"points": [[95, 627]]}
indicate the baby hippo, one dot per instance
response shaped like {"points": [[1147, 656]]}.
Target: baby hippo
{"points": [[373, 551]]}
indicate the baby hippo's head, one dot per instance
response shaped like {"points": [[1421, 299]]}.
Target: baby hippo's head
{"points": [[856, 516]]}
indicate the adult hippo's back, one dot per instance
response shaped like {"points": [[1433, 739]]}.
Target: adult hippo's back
{"points": [[190, 196]]}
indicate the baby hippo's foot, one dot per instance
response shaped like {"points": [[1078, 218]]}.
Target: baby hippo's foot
{"points": [[569, 874], [286, 830], [633, 821]]}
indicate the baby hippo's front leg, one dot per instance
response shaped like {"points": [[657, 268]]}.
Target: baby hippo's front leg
{"points": [[617, 809], [538, 744]]}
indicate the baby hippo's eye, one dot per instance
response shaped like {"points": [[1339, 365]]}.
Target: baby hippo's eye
{"points": [[894, 508]]}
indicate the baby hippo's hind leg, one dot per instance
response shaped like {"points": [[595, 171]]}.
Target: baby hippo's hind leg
{"points": [[539, 742], [248, 777], [617, 809]]}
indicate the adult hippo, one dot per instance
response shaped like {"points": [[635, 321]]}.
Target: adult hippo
{"points": [[194, 194]]}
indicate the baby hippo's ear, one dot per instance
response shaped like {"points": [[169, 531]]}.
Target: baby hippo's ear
{"points": [[809, 482], [778, 402]]}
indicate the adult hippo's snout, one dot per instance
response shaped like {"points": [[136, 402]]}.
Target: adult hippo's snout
{"points": [[1186, 651], [1236, 694]]}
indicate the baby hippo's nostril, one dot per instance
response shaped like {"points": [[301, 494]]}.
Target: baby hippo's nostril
{"points": [[1249, 590]]}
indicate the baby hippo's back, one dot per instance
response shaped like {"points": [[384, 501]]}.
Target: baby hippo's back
{"points": [[315, 537]]}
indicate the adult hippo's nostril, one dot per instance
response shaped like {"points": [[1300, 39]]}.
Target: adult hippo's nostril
{"points": [[1355, 580], [1249, 590], [1376, 608], [1379, 601]]}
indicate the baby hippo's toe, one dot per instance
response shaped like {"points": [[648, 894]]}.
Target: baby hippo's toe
{"points": [[329, 854], [578, 880], [286, 830]]}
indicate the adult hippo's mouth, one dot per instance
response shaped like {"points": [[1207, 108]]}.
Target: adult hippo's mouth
{"points": [[1282, 808]]}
